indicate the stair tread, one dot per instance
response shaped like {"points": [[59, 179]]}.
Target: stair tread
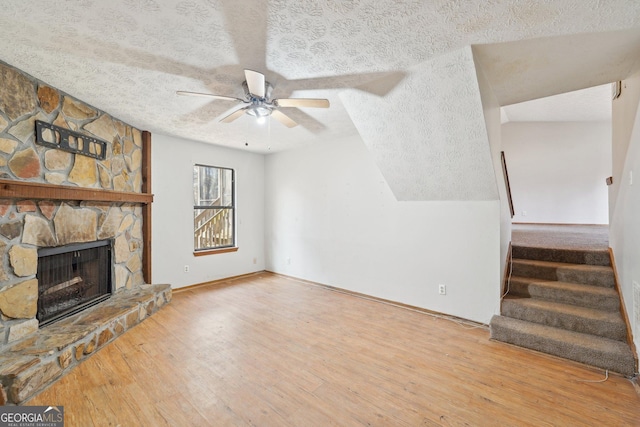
{"points": [[593, 350], [555, 264], [571, 337], [559, 249], [591, 256], [584, 312], [578, 294], [596, 275], [575, 287]]}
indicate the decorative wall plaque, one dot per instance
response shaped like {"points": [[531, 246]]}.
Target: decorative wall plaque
{"points": [[64, 139]]}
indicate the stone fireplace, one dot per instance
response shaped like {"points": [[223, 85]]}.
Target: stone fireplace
{"points": [[32, 226], [53, 202]]}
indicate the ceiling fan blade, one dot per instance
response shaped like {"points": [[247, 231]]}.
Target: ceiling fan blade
{"points": [[255, 82], [231, 117], [208, 95], [283, 118], [302, 102]]}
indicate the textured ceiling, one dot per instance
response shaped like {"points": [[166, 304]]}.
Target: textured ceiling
{"points": [[439, 151], [128, 57]]}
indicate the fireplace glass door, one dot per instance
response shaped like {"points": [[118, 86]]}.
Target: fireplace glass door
{"points": [[72, 278]]}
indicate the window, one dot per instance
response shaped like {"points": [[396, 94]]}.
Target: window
{"points": [[213, 208]]}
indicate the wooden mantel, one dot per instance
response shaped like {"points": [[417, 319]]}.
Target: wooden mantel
{"points": [[10, 189]]}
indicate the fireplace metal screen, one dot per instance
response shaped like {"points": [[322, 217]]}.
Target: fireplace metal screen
{"points": [[72, 278]]}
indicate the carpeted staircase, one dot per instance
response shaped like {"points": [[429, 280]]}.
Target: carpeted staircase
{"points": [[564, 302]]}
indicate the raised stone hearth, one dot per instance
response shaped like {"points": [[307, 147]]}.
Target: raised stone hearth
{"points": [[29, 365]]}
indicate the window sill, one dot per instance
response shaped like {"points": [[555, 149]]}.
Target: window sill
{"points": [[215, 251]]}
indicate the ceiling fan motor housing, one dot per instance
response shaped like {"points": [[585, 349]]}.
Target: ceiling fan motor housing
{"points": [[268, 88], [260, 107]]}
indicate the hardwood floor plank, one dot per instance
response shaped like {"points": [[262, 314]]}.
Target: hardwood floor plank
{"points": [[266, 350]]}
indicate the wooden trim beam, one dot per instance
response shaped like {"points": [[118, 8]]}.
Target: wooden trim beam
{"points": [[10, 189], [146, 209]]}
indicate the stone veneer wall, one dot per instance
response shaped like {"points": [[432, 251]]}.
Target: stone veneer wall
{"points": [[26, 225]]}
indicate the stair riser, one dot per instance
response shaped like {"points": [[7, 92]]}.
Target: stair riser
{"points": [[581, 299], [595, 278], [606, 329], [534, 271], [563, 255], [623, 364], [564, 274]]}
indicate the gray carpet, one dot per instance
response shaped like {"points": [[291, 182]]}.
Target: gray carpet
{"points": [[595, 351], [561, 236], [562, 298]]}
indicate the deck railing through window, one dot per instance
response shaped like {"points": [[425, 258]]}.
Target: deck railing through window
{"points": [[213, 228]]}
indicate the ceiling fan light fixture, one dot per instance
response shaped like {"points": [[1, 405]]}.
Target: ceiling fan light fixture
{"points": [[259, 111], [259, 103]]}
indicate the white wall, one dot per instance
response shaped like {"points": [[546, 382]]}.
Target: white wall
{"points": [[557, 171], [493, 122], [624, 230], [626, 107], [331, 218], [172, 227]]}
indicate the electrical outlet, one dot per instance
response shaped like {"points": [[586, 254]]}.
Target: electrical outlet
{"points": [[186, 268], [255, 260], [288, 261], [630, 177], [442, 289], [524, 213]]}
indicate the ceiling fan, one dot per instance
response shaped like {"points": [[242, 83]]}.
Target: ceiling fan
{"points": [[258, 102]]}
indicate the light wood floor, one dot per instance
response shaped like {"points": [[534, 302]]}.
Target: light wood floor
{"points": [[272, 351]]}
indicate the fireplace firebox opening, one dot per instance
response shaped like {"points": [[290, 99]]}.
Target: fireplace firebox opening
{"points": [[72, 278]]}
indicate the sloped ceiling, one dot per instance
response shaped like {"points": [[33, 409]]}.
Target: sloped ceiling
{"points": [[439, 150], [585, 105], [368, 57], [528, 69]]}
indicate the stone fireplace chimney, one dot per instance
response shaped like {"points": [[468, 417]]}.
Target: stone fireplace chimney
{"points": [[102, 200], [27, 225]]}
